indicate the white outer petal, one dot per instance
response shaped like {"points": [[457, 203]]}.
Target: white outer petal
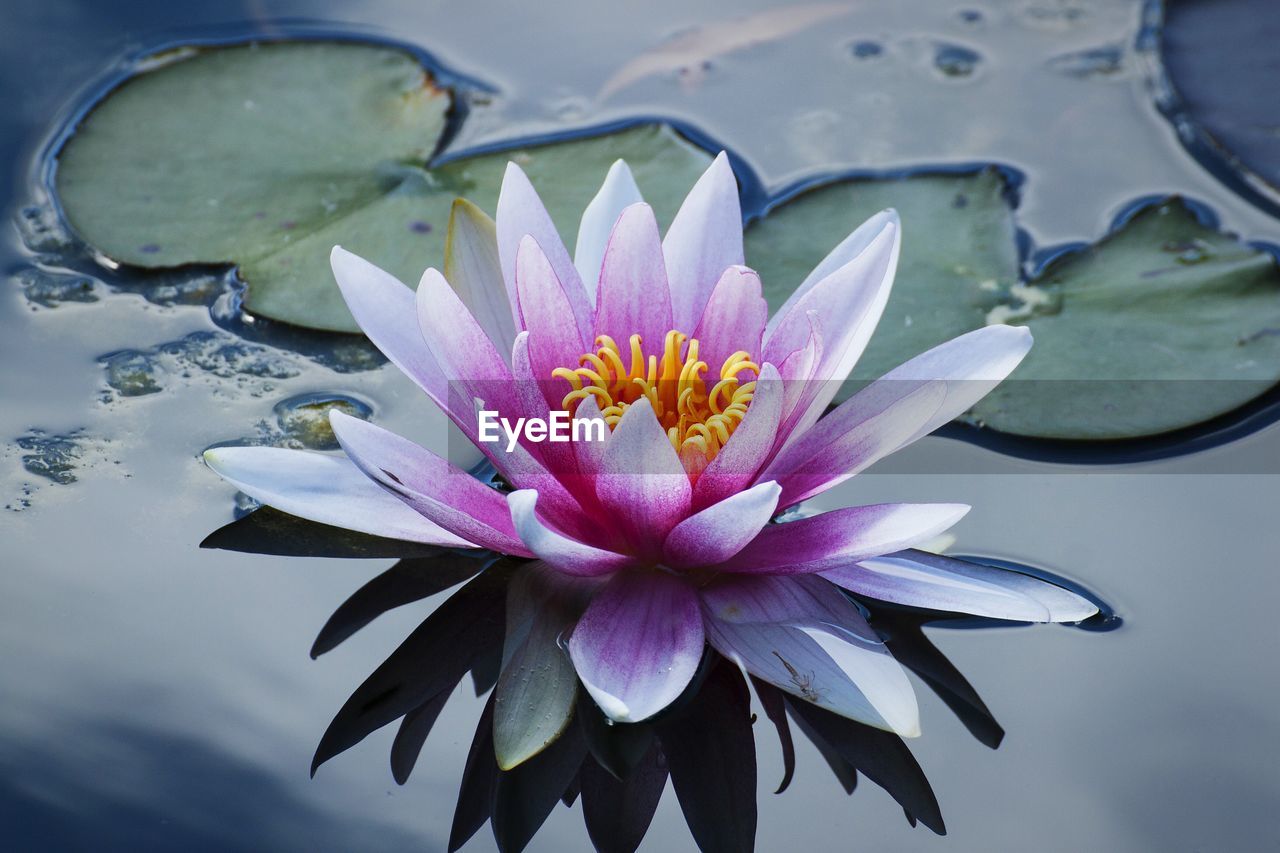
{"points": [[618, 192]]}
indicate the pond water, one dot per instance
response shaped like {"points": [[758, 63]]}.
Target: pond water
{"points": [[156, 695]]}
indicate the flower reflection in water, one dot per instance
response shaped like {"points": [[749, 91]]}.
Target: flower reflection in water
{"points": [[703, 742]]}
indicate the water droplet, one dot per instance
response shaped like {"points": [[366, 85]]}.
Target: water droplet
{"points": [[866, 49], [954, 60], [1189, 252], [304, 419], [1095, 62]]}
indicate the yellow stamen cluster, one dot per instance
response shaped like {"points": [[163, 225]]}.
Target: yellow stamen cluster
{"points": [[697, 420]]}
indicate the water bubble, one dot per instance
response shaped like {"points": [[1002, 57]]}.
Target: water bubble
{"points": [[953, 60], [1189, 252], [304, 419], [42, 230], [132, 373], [49, 289], [1095, 62], [866, 49]]}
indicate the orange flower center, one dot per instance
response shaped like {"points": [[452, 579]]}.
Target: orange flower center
{"points": [[698, 419]]}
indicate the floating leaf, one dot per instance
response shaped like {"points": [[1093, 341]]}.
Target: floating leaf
{"points": [[266, 156], [244, 154], [1218, 61], [959, 255], [1164, 324]]}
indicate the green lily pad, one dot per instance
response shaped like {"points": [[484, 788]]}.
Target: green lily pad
{"points": [[404, 231], [959, 255], [240, 154], [1164, 324], [265, 156]]}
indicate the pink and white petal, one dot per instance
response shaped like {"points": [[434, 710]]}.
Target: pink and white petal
{"points": [[555, 337], [797, 371], [734, 318], [555, 548], [326, 489], [533, 394], [737, 463], [434, 487], [591, 453], [838, 665], [383, 307], [921, 579], [842, 536], [571, 463], [472, 268], [970, 365], [848, 249], [864, 429], [721, 530], [848, 303], [634, 297], [469, 360], [704, 238], [523, 471], [904, 405], [797, 600], [521, 214], [618, 192], [638, 644], [641, 482]]}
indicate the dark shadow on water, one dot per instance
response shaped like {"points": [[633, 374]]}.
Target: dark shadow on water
{"points": [[704, 743]]}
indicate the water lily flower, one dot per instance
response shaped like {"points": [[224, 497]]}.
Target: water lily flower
{"points": [[716, 424]]}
